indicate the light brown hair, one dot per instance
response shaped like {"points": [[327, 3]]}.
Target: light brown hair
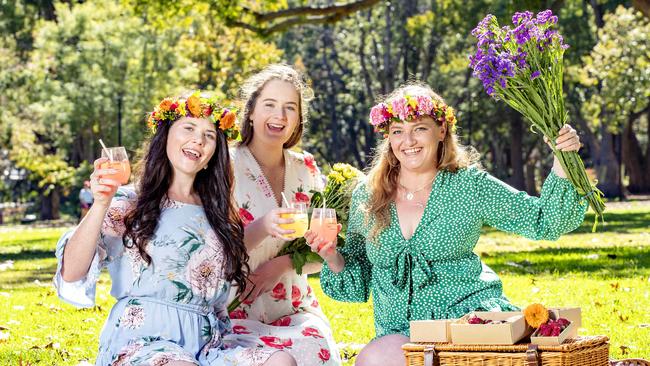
{"points": [[253, 87]]}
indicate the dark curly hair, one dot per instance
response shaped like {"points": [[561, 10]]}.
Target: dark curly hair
{"points": [[215, 187]]}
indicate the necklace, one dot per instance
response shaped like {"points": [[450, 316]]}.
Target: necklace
{"points": [[409, 195]]}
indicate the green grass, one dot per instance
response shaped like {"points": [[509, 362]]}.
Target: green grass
{"points": [[607, 274]]}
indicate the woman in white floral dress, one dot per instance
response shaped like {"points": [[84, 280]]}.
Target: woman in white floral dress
{"points": [[172, 247], [281, 311]]}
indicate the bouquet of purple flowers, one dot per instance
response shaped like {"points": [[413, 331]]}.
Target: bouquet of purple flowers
{"points": [[522, 66]]}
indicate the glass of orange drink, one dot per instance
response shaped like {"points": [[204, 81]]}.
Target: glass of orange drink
{"points": [[118, 160], [324, 224], [299, 216]]}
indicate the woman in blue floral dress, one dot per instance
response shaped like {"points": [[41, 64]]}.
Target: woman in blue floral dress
{"points": [[172, 247]]}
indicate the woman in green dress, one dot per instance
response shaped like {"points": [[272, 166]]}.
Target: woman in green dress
{"points": [[415, 221]]}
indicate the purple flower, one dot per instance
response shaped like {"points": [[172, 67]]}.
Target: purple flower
{"points": [[535, 75], [546, 16], [519, 17]]}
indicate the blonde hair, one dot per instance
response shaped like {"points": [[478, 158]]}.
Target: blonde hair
{"points": [[384, 172], [252, 88]]}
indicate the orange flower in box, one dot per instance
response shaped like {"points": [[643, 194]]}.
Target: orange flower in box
{"points": [[536, 315]]}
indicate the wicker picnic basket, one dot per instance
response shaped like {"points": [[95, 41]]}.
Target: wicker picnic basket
{"points": [[581, 351]]}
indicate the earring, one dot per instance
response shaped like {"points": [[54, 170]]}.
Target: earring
{"points": [[205, 167], [250, 123]]}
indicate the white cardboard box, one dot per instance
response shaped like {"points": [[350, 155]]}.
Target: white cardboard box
{"points": [[505, 333], [431, 330]]}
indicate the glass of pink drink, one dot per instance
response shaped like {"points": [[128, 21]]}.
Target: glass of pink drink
{"points": [[119, 162], [323, 223]]}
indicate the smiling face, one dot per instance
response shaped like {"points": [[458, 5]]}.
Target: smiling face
{"points": [[191, 142], [415, 143], [276, 113]]}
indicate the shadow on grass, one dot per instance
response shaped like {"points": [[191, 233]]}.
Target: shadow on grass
{"points": [[621, 262], [620, 222], [31, 254], [24, 277]]}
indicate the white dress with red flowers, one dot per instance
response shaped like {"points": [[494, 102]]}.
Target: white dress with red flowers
{"points": [[288, 317], [171, 309]]}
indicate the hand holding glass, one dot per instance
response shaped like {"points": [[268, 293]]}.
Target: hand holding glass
{"points": [[299, 216], [119, 161], [324, 224]]}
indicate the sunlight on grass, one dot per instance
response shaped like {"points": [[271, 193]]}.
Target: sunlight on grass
{"points": [[607, 274]]}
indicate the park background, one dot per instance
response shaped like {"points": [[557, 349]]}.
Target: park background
{"points": [[75, 71]]}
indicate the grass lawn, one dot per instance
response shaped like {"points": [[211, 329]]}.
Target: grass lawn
{"points": [[607, 274]]}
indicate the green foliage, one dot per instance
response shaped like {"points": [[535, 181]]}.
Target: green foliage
{"points": [[619, 67]]}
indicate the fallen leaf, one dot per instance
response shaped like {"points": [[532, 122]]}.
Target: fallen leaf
{"points": [[623, 317], [615, 285], [624, 349], [644, 325]]}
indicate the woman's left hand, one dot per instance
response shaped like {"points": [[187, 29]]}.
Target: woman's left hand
{"points": [[266, 276], [567, 141]]}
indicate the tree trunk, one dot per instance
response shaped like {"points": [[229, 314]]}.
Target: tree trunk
{"points": [[636, 165], [50, 205], [609, 168], [516, 160]]}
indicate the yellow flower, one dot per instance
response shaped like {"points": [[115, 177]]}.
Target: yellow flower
{"points": [[339, 167], [180, 109], [349, 173], [194, 105], [536, 315], [412, 102], [336, 176]]}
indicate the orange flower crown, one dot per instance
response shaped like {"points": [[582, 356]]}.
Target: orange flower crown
{"points": [[169, 110]]}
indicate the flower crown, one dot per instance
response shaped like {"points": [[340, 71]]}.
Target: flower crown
{"points": [[170, 110], [408, 108]]}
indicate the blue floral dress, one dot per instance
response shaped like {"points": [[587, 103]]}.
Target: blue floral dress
{"points": [[172, 309]]}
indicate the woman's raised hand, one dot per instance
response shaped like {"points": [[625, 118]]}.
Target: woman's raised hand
{"points": [[103, 189], [567, 139]]}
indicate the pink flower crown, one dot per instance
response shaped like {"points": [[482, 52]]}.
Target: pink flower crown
{"points": [[169, 110], [408, 108]]}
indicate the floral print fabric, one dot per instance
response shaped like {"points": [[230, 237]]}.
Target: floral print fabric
{"points": [[171, 309], [288, 317]]}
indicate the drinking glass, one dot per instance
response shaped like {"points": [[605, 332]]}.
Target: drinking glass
{"points": [[324, 224], [299, 224], [119, 161]]}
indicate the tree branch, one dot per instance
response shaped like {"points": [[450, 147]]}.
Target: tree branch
{"points": [[291, 17], [311, 11]]}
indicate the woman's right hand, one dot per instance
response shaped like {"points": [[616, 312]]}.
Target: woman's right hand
{"points": [[273, 219], [103, 189], [326, 250]]}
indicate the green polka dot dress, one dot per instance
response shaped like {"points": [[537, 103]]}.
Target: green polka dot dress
{"points": [[435, 274]]}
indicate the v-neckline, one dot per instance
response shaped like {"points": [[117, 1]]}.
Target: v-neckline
{"points": [[424, 212], [266, 180]]}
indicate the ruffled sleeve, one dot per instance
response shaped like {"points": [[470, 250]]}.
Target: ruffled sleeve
{"points": [[81, 293], [352, 284], [558, 210]]}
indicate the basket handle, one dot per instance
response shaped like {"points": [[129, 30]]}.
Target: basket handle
{"points": [[430, 356], [532, 355]]}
